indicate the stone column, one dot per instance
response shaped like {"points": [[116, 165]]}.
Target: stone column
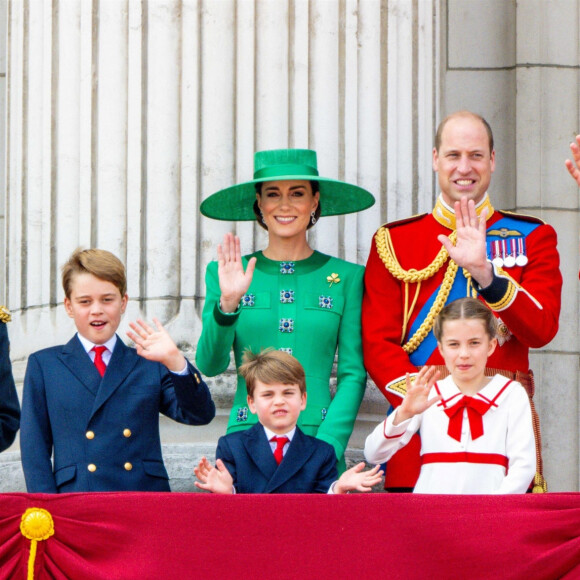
{"points": [[517, 64], [3, 29], [547, 120]]}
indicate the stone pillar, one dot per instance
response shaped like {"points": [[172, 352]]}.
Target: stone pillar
{"points": [[3, 29], [548, 119]]}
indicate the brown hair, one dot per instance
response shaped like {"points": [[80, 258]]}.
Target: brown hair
{"points": [[315, 187], [439, 134], [100, 263], [466, 308], [271, 366]]}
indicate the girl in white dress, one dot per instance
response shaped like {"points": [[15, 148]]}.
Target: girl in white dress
{"points": [[477, 435]]}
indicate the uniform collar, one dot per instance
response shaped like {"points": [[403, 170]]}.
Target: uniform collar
{"points": [[446, 216]]}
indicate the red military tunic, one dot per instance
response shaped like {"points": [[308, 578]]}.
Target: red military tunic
{"points": [[525, 297]]}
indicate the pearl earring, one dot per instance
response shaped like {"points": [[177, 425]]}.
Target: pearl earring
{"points": [[313, 218]]}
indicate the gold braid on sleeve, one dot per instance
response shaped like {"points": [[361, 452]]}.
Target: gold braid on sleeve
{"points": [[386, 252], [5, 314]]}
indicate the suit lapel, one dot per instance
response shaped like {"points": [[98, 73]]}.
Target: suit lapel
{"points": [[298, 454], [122, 362], [259, 450], [74, 357]]}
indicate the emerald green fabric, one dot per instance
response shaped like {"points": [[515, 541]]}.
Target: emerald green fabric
{"points": [[318, 332], [336, 197]]}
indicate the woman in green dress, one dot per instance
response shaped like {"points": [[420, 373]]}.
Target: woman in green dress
{"points": [[288, 296]]}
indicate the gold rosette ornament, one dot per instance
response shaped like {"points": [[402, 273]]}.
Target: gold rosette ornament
{"points": [[5, 314], [36, 525]]}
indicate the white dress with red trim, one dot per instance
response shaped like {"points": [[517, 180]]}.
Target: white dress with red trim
{"points": [[469, 445]]}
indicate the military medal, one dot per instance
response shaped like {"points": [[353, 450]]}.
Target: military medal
{"points": [[510, 253], [496, 256], [521, 258]]}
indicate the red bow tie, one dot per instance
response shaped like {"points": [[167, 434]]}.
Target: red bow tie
{"points": [[476, 409]]}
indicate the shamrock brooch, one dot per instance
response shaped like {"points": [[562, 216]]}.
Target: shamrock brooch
{"points": [[333, 279]]}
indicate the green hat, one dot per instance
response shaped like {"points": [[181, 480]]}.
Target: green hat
{"points": [[236, 203]]}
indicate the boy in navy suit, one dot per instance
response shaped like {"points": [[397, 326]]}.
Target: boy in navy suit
{"points": [[94, 403], [275, 456], [9, 405]]}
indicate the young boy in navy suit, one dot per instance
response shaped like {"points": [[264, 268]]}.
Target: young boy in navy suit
{"points": [[9, 405], [94, 403], [275, 456]]}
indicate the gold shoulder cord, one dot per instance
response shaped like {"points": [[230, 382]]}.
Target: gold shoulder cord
{"points": [[387, 254]]}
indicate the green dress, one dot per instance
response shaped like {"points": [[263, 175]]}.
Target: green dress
{"points": [[309, 308]]}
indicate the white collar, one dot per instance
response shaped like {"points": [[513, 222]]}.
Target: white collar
{"points": [[270, 434], [494, 391], [88, 345]]}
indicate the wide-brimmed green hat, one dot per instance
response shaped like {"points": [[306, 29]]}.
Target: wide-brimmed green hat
{"points": [[235, 203]]}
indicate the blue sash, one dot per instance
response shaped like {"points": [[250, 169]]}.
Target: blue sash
{"points": [[429, 344]]}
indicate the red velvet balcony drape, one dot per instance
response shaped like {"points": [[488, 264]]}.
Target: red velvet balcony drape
{"points": [[142, 536]]}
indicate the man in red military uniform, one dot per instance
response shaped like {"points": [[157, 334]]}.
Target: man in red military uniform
{"points": [[464, 247]]}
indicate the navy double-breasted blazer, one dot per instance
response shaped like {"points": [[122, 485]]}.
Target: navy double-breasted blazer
{"points": [[309, 465], [9, 405], [104, 432]]}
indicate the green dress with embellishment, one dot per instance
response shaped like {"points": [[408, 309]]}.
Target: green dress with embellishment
{"points": [[310, 308]]}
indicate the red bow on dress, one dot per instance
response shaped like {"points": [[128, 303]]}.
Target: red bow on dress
{"points": [[476, 409]]}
